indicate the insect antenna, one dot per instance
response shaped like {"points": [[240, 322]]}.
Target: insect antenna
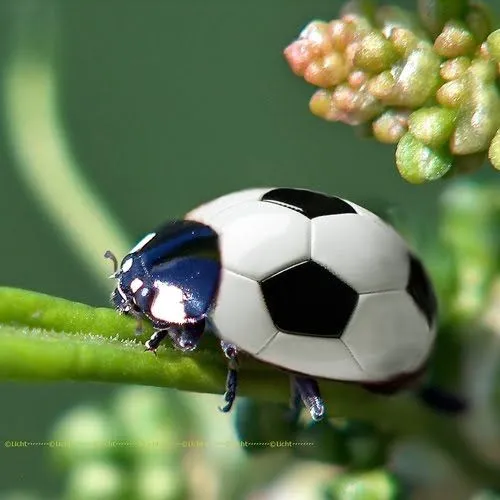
{"points": [[111, 256]]}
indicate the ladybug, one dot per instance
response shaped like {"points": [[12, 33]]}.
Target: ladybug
{"points": [[311, 283]]}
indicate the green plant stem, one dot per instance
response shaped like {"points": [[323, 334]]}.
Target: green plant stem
{"points": [[44, 338]]}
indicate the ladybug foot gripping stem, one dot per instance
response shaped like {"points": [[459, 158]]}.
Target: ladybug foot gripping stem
{"points": [[231, 353], [155, 340], [306, 390], [185, 339]]}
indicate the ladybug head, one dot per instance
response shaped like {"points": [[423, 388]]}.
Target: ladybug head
{"points": [[128, 284]]}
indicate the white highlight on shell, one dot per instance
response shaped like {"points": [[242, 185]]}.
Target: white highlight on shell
{"points": [[168, 303], [136, 284], [143, 242], [126, 265]]}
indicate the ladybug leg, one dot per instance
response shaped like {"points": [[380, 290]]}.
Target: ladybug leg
{"points": [[295, 403], [308, 390], [231, 353], [155, 340], [187, 337]]}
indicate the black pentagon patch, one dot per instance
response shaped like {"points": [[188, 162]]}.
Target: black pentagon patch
{"points": [[307, 299], [308, 203], [421, 290]]}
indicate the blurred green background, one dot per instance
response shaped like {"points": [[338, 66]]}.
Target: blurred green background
{"points": [[163, 105]]}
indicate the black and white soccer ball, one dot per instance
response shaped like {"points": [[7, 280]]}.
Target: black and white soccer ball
{"points": [[318, 285]]}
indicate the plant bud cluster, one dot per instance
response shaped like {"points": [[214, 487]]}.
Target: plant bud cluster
{"points": [[436, 97]]}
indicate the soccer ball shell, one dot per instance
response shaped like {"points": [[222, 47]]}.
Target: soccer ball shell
{"points": [[318, 285]]}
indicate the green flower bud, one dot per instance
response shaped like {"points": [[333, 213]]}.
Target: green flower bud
{"points": [[299, 55], [341, 34], [321, 104], [390, 126], [374, 485], [454, 68], [261, 423], [417, 79], [478, 118], [357, 78], [452, 94], [418, 163], [455, 40], [432, 126], [375, 53], [314, 42], [382, 86], [317, 33], [360, 25], [327, 71], [405, 41], [356, 106], [484, 71]]}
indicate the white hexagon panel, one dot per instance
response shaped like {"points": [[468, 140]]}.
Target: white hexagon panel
{"points": [[204, 213], [240, 315], [315, 356], [388, 335], [258, 239], [363, 251]]}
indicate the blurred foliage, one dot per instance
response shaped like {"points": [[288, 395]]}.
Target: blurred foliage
{"points": [[133, 450], [261, 425], [375, 485]]}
